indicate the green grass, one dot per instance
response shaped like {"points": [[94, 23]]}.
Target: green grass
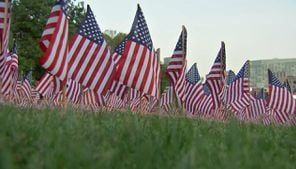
{"points": [[36, 139]]}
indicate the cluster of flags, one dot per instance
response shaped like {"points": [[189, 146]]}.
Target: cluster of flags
{"points": [[85, 74]]}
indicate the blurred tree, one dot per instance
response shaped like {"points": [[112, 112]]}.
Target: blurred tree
{"points": [[113, 42], [28, 20]]}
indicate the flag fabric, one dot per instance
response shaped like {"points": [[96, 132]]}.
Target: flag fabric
{"points": [[257, 106], [73, 91], [44, 84], [10, 74], [178, 59], [230, 77], [27, 88], [216, 77], [54, 40], [280, 99], [166, 100], [135, 99], [90, 61], [205, 106], [91, 99], [194, 89], [117, 87], [180, 86], [138, 64], [5, 20], [238, 93]]}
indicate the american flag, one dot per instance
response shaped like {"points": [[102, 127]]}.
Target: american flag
{"points": [[90, 61], [26, 87], [166, 100], [114, 102], [280, 98], [180, 86], [135, 99], [178, 59], [10, 74], [238, 94], [230, 77], [49, 85], [257, 107], [194, 89], [205, 106], [5, 15], [44, 84], [54, 40], [73, 91], [91, 99], [138, 65], [216, 77], [117, 87], [118, 52]]}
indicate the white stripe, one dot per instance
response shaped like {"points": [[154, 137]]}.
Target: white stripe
{"points": [[142, 72], [86, 61], [94, 64], [136, 65], [127, 62], [55, 45], [78, 57], [102, 67]]}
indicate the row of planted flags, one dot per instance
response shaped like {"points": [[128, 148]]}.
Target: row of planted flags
{"points": [[85, 74]]}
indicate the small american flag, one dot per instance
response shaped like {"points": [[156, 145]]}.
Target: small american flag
{"points": [[138, 65], [230, 77], [216, 77], [194, 89], [166, 100], [44, 84], [205, 106], [54, 40], [280, 99], [238, 94], [178, 58], [10, 74], [90, 61]]}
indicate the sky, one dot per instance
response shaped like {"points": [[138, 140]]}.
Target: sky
{"points": [[251, 29]]}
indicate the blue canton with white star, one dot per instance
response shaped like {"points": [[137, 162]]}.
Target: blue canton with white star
{"points": [[179, 46], [206, 89], [230, 77], [120, 48], [244, 71], [90, 29], [140, 33], [65, 6], [273, 80], [192, 76], [261, 94]]}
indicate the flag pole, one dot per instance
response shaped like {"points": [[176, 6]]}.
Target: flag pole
{"points": [[159, 82], [1, 46], [184, 48]]}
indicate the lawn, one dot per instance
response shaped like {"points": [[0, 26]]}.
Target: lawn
{"points": [[31, 138]]}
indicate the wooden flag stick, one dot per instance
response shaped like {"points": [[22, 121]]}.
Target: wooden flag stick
{"points": [[184, 48], [64, 96]]}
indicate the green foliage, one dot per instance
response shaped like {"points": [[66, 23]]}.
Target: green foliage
{"points": [[113, 42], [31, 138], [28, 20]]}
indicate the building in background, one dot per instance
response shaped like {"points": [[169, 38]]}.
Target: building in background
{"points": [[283, 69]]}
